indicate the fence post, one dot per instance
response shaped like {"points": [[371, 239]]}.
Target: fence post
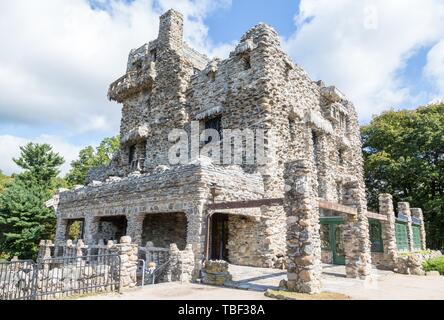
{"points": [[128, 255]]}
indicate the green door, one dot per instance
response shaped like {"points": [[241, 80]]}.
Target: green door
{"points": [[332, 230], [416, 237], [402, 242]]}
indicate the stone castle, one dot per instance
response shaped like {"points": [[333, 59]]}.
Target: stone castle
{"points": [[306, 204]]}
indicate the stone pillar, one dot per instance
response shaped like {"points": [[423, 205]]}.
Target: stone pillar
{"points": [[45, 249], [404, 208], [128, 253], [417, 213], [181, 264], [196, 235], [134, 227], [303, 228], [61, 230], [91, 229], [388, 229], [356, 233]]}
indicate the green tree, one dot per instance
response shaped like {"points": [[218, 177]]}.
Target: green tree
{"points": [[24, 218], [40, 162], [404, 156], [91, 158]]}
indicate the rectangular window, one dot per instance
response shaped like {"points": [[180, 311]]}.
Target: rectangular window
{"points": [[416, 237], [153, 54], [402, 242], [375, 236], [315, 139], [215, 124]]}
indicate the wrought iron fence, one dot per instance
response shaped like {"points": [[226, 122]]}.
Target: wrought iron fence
{"points": [[59, 277]]}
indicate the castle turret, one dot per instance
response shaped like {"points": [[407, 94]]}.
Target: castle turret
{"points": [[171, 30]]}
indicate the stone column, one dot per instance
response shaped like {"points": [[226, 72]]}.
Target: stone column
{"points": [[61, 230], [128, 253], [417, 213], [356, 233], [91, 229], [404, 208], [303, 228], [388, 229], [196, 234], [134, 227]]}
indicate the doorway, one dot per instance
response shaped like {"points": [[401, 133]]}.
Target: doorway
{"points": [[219, 237], [332, 239]]}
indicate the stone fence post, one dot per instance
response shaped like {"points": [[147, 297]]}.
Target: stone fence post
{"points": [[404, 208], [128, 253], [303, 239], [417, 213], [181, 263], [388, 230], [45, 249]]}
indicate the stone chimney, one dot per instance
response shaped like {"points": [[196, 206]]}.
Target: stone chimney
{"points": [[171, 30]]}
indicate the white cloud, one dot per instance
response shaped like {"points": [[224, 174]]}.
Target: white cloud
{"points": [[58, 57], [435, 67], [361, 45], [10, 148]]}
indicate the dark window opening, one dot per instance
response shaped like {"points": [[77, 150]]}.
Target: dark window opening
{"points": [[247, 62], [341, 153], [212, 76], [153, 54], [315, 140], [132, 154], [138, 64], [215, 124]]}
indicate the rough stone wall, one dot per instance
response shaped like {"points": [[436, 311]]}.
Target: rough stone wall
{"points": [[164, 229], [244, 241]]}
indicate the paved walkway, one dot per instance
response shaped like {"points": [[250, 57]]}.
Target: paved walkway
{"points": [[250, 283]]}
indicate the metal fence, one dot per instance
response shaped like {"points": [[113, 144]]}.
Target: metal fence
{"points": [[153, 265], [59, 277]]}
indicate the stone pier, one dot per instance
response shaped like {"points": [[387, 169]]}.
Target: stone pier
{"points": [[388, 231], [303, 239]]}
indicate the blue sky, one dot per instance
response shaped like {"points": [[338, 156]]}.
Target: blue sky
{"points": [[56, 66]]}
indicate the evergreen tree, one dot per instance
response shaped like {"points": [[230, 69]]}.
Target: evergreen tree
{"points": [[24, 219]]}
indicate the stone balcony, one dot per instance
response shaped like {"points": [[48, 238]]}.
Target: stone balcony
{"points": [[132, 82]]}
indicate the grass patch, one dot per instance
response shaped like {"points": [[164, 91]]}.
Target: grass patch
{"points": [[287, 295], [406, 254], [435, 264]]}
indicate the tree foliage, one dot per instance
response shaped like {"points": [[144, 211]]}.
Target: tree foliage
{"points": [[24, 218], [404, 156], [91, 158]]}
